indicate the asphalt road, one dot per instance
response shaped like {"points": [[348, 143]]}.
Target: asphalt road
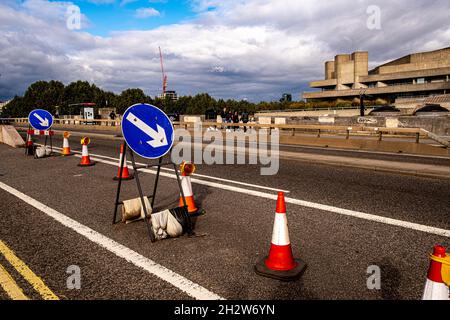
{"points": [[237, 228]]}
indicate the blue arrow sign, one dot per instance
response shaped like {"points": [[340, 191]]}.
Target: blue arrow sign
{"points": [[40, 119], [147, 130]]}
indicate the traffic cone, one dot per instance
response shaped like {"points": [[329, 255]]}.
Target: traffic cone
{"points": [[280, 264], [85, 159], [438, 279], [29, 146], [187, 169], [66, 147], [125, 173]]}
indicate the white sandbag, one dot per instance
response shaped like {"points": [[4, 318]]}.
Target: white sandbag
{"points": [[40, 152], [159, 224], [166, 225], [132, 210], [174, 228]]}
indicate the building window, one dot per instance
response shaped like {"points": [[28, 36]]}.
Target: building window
{"points": [[420, 80]]}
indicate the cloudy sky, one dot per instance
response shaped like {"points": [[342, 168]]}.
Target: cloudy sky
{"points": [[253, 49]]}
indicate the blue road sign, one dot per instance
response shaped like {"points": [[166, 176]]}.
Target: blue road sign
{"points": [[40, 119], [147, 130]]}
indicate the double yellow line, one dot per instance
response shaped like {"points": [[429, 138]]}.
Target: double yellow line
{"points": [[10, 286]]}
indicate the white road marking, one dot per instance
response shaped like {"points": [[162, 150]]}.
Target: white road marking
{"points": [[303, 203], [197, 175], [308, 204], [192, 289]]}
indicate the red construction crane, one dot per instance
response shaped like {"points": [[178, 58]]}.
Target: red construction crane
{"points": [[164, 76]]}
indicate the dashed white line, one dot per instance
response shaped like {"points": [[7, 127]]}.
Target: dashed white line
{"points": [[303, 203], [197, 175]]}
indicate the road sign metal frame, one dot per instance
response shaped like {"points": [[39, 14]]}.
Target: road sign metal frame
{"points": [[136, 169], [45, 141]]}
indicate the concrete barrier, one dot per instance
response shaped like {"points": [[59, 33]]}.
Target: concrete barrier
{"points": [[10, 136], [265, 120], [193, 119], [280, 120]]}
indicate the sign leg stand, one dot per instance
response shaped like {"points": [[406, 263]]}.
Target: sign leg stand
{"points": [[26, 141], [51, 145], [141, 195], [156, 181], [120, 184]]}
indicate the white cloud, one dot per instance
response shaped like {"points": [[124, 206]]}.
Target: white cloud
{"points": [[143, 13], [253, 48]]}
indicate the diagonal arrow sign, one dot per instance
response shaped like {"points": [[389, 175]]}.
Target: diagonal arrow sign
{"points": [[159, 137], [43, 122]]}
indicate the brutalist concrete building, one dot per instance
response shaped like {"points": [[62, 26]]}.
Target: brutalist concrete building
{"points": [[415, 76]]}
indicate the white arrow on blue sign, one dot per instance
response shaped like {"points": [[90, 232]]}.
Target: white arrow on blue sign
{"points": [[40, 119], [147, 130]]}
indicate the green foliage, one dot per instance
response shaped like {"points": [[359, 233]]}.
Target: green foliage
{"points": [[48, 95], [129, 97]]}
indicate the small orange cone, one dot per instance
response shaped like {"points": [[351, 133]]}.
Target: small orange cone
{"points": [[187, 169], [438, 278], [29, 146], [85, 159], [126, 175], [66, 147], [280, 264]]}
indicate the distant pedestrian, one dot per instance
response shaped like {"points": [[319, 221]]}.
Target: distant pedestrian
{"points": [[229, 118], [235, 119], [112, 116], [223, 115], [244, 118]]}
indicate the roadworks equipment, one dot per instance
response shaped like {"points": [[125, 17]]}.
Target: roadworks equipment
{"points": [[187, 169], [85, 159], [280, 264], [66, 147], [438, 278], [126, 175], [29, 146], [132, 210]]}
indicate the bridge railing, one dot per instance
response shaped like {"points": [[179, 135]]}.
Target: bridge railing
{"points": [[292, 129]]}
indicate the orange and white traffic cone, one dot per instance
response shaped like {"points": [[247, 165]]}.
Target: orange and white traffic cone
{"points": [[126, 175], [438, 278], [187, 169], [66, 147], [85, 159], [29, 151], [280, 264]]}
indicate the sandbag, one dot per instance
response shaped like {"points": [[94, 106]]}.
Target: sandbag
{"points": [[174, 228], [166, 225], [42, 152], [159, 224], [132, 210]]}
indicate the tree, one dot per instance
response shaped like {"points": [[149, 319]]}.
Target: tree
{"points": [[129, 97], [75, 93], [43, 95], [48, 95]]}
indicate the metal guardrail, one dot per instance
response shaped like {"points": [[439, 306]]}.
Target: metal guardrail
{"points": [[418, 133], [101, 122], [368, 108]]}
